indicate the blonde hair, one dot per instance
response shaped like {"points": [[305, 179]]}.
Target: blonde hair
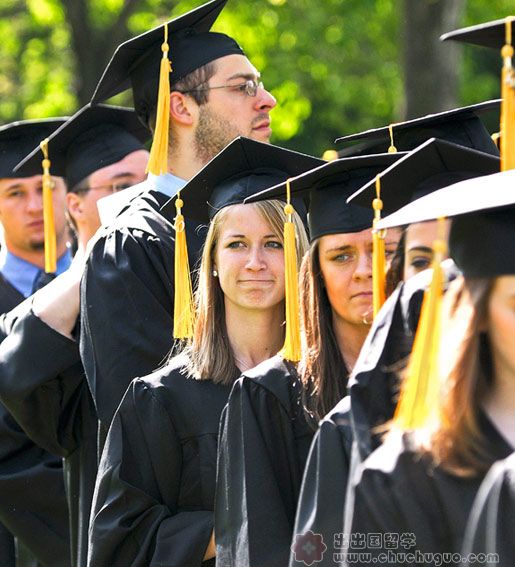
{"points": [[209, 353]]}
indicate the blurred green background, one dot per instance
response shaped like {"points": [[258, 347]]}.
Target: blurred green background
{"points": [[335, 66]]}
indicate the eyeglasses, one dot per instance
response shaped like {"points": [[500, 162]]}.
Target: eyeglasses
{"points": [[111, 188], [249, 87]]}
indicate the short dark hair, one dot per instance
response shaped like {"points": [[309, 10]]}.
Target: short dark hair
{"points": [[197, 79]]}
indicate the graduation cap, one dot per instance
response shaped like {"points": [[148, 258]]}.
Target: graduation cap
{"points": [[482, 244], [19, 138], [241, 169], [93, 138], [461, 126], [498, 35], [147, 63], [16, 140], [431, 166], [329, 186]]}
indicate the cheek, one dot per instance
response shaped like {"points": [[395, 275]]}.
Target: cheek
{"points": [[336, 280], [502, 331]]}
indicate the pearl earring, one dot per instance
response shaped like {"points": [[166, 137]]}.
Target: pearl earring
{"points": [[215, 273]]}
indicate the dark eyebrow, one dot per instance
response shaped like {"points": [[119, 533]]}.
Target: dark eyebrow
{"points": [[247, 76], [427, 249], [343, 248], [126, 174]]}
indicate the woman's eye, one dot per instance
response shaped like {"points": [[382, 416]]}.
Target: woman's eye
{"points": [[342, 258], [274, 244], [420, 263], [235, 244]]}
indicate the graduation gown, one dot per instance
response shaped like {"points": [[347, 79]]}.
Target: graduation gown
{"points": [[346, 437], [491, 522], [32, 499], [154, 498], [401, 492], [264, 442], [128, 283], [10, 297], [44, 387]]}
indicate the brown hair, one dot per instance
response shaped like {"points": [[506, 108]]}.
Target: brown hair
{"points": [[210, 354], [322, 369], [457, 442]]}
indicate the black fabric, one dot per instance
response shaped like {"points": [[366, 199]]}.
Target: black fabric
{"points": [[489, 34], [33, 505], [10, 297], [264, 443], [156, 480], [44, 387], [19, 138], [42, 279], [491, 522], [127, 297], [399, 491], [93, 138]]}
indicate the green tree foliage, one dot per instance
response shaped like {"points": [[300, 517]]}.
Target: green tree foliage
{"points": [[334, 65]]}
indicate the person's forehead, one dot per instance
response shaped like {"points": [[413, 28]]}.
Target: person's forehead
{"points": [[342, 239], [132, 164], [244, 219], [230, 65], [25, 182]]}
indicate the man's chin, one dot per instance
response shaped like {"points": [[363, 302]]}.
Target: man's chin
{"points": [[37, 245]]}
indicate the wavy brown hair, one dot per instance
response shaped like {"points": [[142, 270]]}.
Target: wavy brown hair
{"points": [[322, 369], [209, 354]]}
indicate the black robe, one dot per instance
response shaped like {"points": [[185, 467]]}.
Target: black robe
{"points": [[398, 491], [345, 437], [491, 523], [155, 491], [127, 300], [10, 297], [44, 387], [264, 442], [32, 498]]}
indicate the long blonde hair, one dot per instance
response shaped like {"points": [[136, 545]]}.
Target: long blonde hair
{"points": [[209, 353]]}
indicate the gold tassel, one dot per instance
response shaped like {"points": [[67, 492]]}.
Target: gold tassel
{"points": [[158, 160], [48, 213], [291, 349], [508, 102], [392, 149], [183, 316], [419, 398], [378, 253]]}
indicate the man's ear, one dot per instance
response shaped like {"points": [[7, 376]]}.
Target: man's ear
{"points": [[74, 205], [182, 109]]}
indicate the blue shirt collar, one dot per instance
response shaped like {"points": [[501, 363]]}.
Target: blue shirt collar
{"points": [[22, 274], [168, 184]]}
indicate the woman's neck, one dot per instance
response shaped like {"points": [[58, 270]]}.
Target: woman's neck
{"points": [[500, 403], [350, 339], [254, 336]]}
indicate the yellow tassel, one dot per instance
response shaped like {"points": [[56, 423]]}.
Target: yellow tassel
{"points": [[392, 149], [291, 349], [48, 213], [183, 317], [158, 160], [419, 399], [378, 254], [508, 102]]}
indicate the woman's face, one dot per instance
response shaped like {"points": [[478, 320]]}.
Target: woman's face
{"points": [[501, 324], [249, 260], [346, 266], [419, 246]]}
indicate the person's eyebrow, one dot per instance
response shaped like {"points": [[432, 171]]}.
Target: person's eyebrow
{"points": [[125, 174], [427, 249], [343, 248], [13, 186], [247, 76]]}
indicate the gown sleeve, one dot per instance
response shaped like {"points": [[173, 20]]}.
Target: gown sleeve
{"points": [[136, 516], [126, 314], [41, 382], [324, 485], [258, 479], [491, 522]]}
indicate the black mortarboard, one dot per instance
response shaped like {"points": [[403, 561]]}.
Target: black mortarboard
{"points": [[431, 166], [136, 62], [489, 34], [241, 169], [19, 138], [460, 126], [93, 138], [329, 186], [482, 236]]}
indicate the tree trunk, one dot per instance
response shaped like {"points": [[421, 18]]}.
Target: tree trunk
{"points": [[430, 66]]}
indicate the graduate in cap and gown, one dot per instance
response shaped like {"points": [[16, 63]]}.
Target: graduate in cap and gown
{"points": [[454, 418], [274, 408], [346, 435], [155, 492], [43, 382], [212, 95]]}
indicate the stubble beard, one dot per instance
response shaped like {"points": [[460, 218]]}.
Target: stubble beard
{"points": [[212, 134]]}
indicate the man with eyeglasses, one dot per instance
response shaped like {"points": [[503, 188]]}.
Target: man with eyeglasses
{"points": [[127, 292]]}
